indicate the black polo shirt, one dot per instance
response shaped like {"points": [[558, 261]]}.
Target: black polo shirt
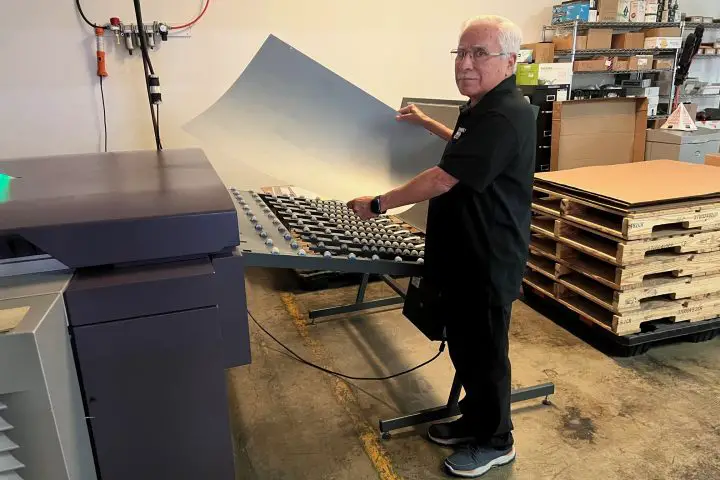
{"points": [[478, 232]]}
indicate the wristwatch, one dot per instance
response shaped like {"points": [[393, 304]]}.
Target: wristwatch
{"points": [[375, 206]]}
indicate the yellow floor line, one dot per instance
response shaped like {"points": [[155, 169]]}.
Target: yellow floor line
{"points": [[344, 396]]}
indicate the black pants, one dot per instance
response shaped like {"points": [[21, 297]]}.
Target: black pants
{"points": [[478, 344]]}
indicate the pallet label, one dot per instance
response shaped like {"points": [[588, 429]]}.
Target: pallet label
{"points": [[686, 311], [706, 216]]}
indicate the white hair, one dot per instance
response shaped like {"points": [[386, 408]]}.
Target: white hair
{"points": [[509, 34]]}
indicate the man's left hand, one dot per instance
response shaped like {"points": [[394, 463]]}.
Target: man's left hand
{"points": [[361, 207]]}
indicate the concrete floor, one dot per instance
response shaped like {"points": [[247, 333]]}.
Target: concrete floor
{"points": [[656, 416]]}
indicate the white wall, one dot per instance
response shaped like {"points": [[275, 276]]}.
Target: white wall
{"points": [[707, 8], [49, 95]]}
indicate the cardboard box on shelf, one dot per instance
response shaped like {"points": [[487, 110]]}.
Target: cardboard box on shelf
{"points": [[663, 64], [641, 62], [663, 42], [629, 40], [637, 11], [598, 64], [563, 41], [662, 32], [651, 8], [621, 64], [599, 38], [541, 52], [593, 16], [614, 11]]}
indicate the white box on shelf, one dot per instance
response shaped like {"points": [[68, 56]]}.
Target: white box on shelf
{"points": [[663, 42], [637, 11], [555, 73], [643, 92]]}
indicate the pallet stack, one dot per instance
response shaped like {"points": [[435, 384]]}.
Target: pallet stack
{"points": [[623, 266]]}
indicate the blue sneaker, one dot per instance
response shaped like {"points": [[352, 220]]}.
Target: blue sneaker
{"points": [[472, 460]]}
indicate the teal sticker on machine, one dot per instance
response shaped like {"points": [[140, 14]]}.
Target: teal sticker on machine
{"points": [[5, 181]]}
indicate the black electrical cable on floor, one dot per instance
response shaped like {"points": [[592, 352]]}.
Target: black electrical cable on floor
{"points": [[148, 68], [341, 375], [82, 14], [102, 95]]}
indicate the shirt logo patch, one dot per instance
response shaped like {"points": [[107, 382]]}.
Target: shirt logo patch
{"points": [[459, 132]]}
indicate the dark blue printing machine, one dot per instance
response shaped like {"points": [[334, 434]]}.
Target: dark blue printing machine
{"points": [[122, 303]]}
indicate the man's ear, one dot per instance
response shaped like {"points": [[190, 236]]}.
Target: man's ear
{"points": [[512, 60]]}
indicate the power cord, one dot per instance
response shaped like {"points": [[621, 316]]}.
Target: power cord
{"points": [[341, 375], [82, 14], [149, 75], [102, 95]]}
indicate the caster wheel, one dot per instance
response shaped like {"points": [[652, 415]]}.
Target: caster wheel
{"points": [[547, 401], [386, 435]]}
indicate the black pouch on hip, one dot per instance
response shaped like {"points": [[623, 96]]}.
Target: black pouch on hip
{"points": [[423, 308]]}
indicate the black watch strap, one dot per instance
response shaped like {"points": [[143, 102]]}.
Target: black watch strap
{"points": [[375, 206]]}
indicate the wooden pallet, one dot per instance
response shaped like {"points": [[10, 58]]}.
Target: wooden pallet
{"points": [[617, 301], [619, 251], [692, 310], [663, 265], [629, 225]]}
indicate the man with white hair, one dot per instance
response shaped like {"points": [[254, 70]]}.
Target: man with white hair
{"points": [[478, 226]]}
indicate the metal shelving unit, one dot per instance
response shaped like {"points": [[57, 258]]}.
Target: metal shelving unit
{"points": [[623, 72], [709, 26], [577, 26], [614, 25], [620, 52]]}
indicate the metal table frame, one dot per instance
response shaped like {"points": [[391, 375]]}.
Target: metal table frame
{"points": [[449, 410], [360, 303], [452, 408]]}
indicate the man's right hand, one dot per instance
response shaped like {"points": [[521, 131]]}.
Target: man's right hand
{"points": [[413, 114]]}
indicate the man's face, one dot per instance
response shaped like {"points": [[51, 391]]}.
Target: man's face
{"points": [[475, 73]]}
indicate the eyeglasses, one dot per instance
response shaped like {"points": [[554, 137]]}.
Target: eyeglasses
{"points": [[476, 54]]}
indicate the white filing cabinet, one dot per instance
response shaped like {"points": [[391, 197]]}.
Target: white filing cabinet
{"points": [[688, 147]]}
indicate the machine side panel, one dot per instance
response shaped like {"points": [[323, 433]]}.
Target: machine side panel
{"points": [[155, 390], [230, 290], [24, 391], [61, 381], [124, 241], [103, 295]]}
